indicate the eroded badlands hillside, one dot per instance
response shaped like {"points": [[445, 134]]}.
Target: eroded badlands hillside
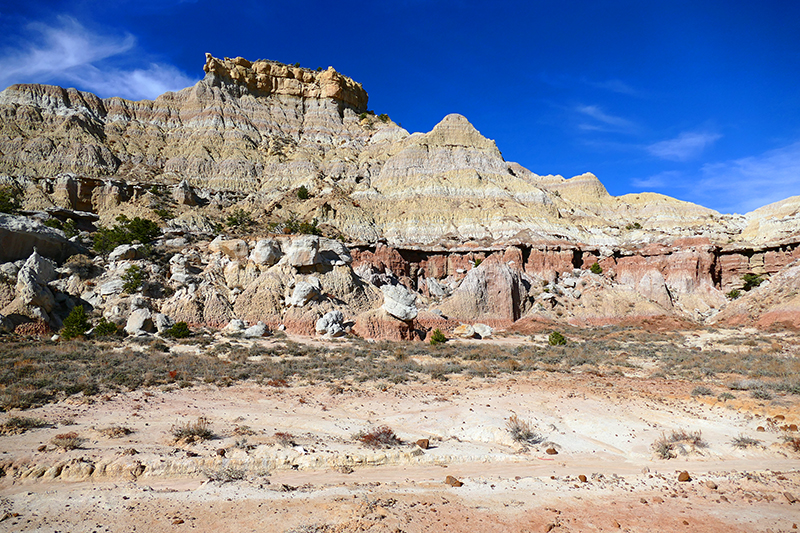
{"points": [[439, 229]]}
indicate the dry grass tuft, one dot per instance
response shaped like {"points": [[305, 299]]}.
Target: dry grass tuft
{"points": [[381, 437], [522, 431], [197, 431], [68, 441], [116, 432]]}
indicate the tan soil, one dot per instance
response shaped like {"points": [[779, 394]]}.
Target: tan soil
{"points": [[602, 427]]}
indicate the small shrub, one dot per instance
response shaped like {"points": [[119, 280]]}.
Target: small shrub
{"points": [[478, 262], [792, 441], [302, 193], [678, 441], [226, 474], [751, 281], [21, 424], [105, 328], [735, 293], [284, 439], [125, 231], [725, 396], [116, 432], [743, 442], [193, 431], [761, 394], [596, 269], [80, 265], [522, 431], [179, 330], [76, 324], [702, 390], [10, 199], [239, 218], [383, 117], [68, 441], [132, 278], [164, 214], [635, 225], [437, 337], [556, 339], [304, 228], [382, 437]]}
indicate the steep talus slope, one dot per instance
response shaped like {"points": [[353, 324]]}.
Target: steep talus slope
{"points": [[421, 210]]}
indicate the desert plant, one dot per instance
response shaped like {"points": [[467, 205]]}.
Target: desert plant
{"points": [[725, 396], [125, 231], [743, 442], [132, 278], [284, 439], [381, 437], [751, 281], [681, 441], [226, 474], [80, 265], [10, 199], [702, 390], [104, 328], [383, 117], [76, 324], [68, 441], [556, 339], [302, 193], [164, 214], [792, 441], [437, 337], [596, 268], [20, 424], [522, 431], [735, 293], [304, 228], [179, 330], [198, 430], [116, 432], [635, 225], [761, 394], [239, 218]]}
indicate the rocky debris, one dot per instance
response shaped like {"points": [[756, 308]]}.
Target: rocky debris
{"points": [[236, 249], [378, 324], [423, 444], [33, 298], [399, 302], [162, 322], [492, 291], [453, 482], [256, 330], [126, 252], [235, 327], [303, 252], [684, 476], [465, 331], [331, 324]]}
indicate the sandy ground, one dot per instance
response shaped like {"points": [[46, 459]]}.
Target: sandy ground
{"points": [[324, 480]]}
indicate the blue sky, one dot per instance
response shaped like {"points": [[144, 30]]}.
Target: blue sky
{"points": [[698, 100]]}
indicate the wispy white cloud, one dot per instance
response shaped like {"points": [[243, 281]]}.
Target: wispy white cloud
{"points": [[603, 121], [614, 85], [742, 185], [69, 54], [685, 146], [658, 181]]}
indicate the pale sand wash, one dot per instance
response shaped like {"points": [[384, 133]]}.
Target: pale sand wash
{"points": [[602, 427]]}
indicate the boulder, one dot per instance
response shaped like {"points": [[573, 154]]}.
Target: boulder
{"points": [[140, 322], [236, 249], [183, 194], [234, 327], [399, 302], [162, 322], [465, 331], [266, 252], [331, 323], [303, 293], [21, 235], [482, 330], [303, 251], [6, 326], [255, 331], [31, 288], [126, 252]]}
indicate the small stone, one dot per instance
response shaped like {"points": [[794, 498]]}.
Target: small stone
{"points": [[582, 478], [615, 524], [643, 500], [221, 452], [685, 523], [423, 443], [551, 451], [657, 499], [711, 485], [549, 527], [684, 476], [177, 521], [453, 482], [42, 448], [789, 496], [761, 429]]}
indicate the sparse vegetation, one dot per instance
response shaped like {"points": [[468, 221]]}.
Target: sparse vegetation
{"points": [[437, 337], [761, 394], [284, 439], [302, 193], [68, 441], [20, 424], [10, 199], [680, 441], [133, 279], [751, 281], [381, 437], [196, 431], [104, 328], [116, 432], [523, 431], [633, 226], [239, 218], [226, 474], [179, 330], [302, 227], [702, 390], [383, 117], [125, 231], [163, 214], [734, 294], [596, 268], [743, 442], [556, 339], [76, 324], [725, 396]]}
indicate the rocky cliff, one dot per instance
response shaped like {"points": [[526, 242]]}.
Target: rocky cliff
{"points": [[472, 236]]}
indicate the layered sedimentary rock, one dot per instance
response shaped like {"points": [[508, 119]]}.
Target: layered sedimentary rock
{"points": [[470, 236]]}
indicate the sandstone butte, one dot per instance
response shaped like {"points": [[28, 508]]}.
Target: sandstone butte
{"points": [[471, 238]]}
